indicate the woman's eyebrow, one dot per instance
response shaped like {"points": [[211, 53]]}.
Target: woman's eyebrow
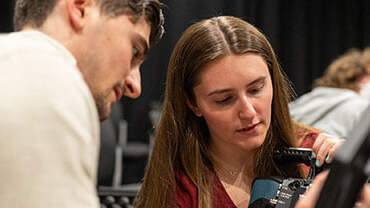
{"points": [[220, 91], [259, 79]]}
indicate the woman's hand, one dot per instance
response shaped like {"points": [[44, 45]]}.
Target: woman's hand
{"points": [[325, 147]]}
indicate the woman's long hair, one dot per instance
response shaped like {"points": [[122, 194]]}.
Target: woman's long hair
{"points": [[182, 138]]}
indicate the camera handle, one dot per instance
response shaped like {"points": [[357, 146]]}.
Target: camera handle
{"points": [[299, 155]]}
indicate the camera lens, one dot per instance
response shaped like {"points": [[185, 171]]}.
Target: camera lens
{"points": [[294, 185]]}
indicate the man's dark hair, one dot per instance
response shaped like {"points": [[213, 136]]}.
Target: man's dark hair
{"points": [[35, 12]]}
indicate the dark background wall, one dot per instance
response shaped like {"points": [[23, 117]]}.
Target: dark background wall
{"points": [[306, 35], [6, 14]]}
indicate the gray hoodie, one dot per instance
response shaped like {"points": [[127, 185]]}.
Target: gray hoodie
{"points": [[333, 110]]}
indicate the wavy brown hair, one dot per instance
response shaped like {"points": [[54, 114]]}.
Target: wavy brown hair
{"points": [[366, 58], [344, 71], [182, 138]]}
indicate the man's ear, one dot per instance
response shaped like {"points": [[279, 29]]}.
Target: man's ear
{"points": [[76, 12], [193, 107]]}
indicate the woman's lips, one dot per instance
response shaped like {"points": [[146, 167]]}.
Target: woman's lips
{"points": [[248, 129]]}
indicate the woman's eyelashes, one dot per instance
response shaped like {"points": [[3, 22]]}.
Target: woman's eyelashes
{"points": [[224, 101], [257, 89], [230, 98]]}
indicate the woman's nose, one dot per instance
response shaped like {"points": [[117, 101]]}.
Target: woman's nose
{"points": [[247, 109]]}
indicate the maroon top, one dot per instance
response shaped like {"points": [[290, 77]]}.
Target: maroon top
{"points": [[308, 142], [187, 193]]}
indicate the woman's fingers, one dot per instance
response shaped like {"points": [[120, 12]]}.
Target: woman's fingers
{"points": [[325, 147]]}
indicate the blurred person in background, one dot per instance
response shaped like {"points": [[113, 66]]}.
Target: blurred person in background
{"points": [[335, 105], [365, 83]]}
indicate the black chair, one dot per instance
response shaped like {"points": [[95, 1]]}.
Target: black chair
{"points": [[114, 148]]}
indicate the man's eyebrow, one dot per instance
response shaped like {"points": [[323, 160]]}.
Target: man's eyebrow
{"points": [[144, 45], [219, 91]]}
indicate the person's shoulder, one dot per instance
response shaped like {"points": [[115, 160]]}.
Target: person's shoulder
{"points": [[341, 98], [19, 40], [31, 62], [355, 103], [184, 184], [309, 99], [186, 190], [31, 45]]}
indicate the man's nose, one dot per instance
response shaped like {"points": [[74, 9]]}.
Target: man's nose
{"points": [[133, 84]]}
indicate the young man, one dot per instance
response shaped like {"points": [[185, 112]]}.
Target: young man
{"points": [[59, 74]]}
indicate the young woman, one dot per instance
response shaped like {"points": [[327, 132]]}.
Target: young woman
{"points": [[225, 111]]}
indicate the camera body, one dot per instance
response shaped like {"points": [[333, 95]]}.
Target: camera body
{"points": [[276, 192], [290, 191]]}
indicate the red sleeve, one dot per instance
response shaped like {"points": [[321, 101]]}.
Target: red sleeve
{"points": [[186, 191], [308, 142]]}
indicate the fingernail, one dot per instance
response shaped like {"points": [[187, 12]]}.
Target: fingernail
{"points": [[317, 163], [327, 158], [313, 155]]}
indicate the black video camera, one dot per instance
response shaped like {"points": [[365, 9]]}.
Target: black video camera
{"points": [[275, 192]]}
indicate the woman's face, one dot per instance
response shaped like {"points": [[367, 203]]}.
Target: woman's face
{"points": [[234, 97]]}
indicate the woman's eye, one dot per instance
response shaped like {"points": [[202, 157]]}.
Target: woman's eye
{"points": [[256, 90], [224, 101]]}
